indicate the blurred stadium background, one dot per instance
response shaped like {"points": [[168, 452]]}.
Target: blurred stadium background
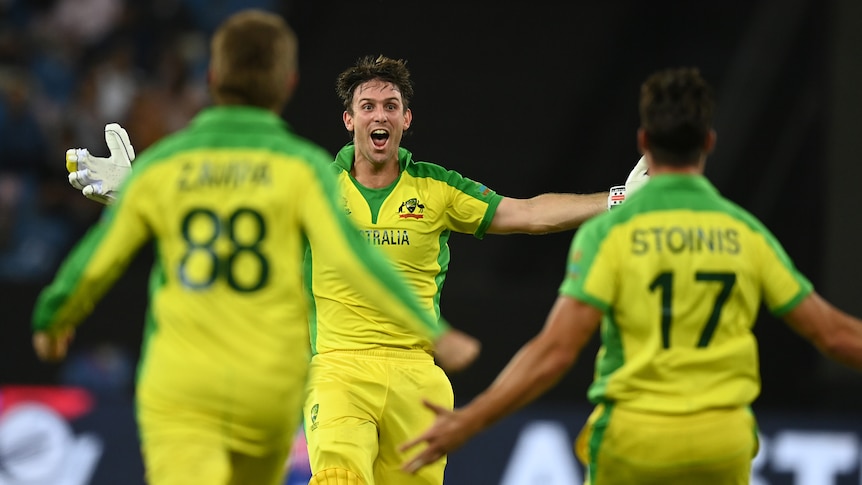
{"points": [[526, 98]]}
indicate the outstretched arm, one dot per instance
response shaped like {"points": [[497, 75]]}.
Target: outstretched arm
{"points": [[548, 213], [537, 367]]}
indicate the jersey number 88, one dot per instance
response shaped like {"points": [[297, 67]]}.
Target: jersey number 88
{"points": [[202, 265]]}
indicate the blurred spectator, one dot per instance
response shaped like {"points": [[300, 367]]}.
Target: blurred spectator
{"points": [[82, 117], [169, 99], [117, 80], [105, 369], [83, 21], [29, 243], [67, 68], [23, 144], [20, 133], [208, 15]]}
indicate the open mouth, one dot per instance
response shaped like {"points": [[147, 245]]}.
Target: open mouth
{"points": [[379, 138]]}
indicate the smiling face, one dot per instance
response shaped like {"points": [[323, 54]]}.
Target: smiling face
{"points": [[377, 119]]}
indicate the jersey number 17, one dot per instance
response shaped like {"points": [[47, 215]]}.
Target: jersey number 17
{"points": [[664, 283]]}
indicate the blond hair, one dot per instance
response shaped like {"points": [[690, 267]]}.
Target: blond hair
{"points": [[254, 53]]}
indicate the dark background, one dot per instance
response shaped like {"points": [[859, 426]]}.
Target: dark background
{"points": [[536, 97]]}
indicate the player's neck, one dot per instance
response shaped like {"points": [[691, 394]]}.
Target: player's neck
{"points": [[375, 175], [660, 168], [689, 170]]}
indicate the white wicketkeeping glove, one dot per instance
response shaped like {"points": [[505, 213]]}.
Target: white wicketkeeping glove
{"points": [[636, 179], [96, 177]]}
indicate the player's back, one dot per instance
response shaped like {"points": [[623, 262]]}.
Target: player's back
{"points": [[683, 272], [223, 200]]}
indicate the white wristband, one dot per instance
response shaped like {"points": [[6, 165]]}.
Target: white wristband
{"points": [[616, 196]]}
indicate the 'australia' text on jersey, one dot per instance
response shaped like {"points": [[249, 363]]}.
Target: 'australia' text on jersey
{"points": [[386, 237]]}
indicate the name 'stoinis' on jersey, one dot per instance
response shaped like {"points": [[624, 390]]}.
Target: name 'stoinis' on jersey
{"points": [[204, 175], [678, 239]]}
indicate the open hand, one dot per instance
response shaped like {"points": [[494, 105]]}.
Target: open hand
{"points": [[449, 431], [99, 178]]}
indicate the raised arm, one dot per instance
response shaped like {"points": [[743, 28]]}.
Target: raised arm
{"points": [[88, 272]]}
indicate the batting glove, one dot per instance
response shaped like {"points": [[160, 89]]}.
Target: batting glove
{"points": [[99, 178], [636, 179]]}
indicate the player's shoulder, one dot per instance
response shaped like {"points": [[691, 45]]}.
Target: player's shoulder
{"points": [[163, 148], [719, 207], [439, 178], [425, 169]]}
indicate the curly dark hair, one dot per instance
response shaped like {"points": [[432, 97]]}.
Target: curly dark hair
{"points": [[676, 109], [369, 68]]}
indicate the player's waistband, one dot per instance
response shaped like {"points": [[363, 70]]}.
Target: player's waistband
{"points": [[381, 353], [661, 416]]}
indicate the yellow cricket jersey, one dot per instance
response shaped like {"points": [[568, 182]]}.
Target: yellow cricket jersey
{"points": [[231, 203], [680, 273], [410, 221]]}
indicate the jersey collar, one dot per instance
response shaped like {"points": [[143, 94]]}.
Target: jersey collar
{"points": [[237, 117], [673, 181], [345, 157]]}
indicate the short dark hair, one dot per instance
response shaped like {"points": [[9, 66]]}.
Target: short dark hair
{"points": [[253, 52], [676, 109], [369, 68]]}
